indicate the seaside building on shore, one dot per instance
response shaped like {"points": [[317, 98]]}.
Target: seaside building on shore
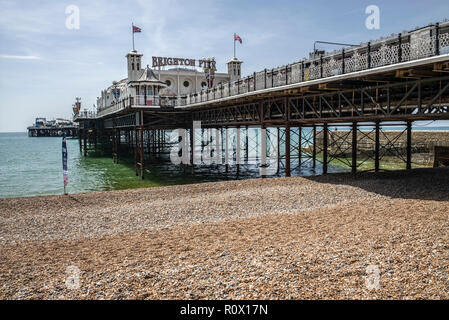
{"points": [[163, 87]]}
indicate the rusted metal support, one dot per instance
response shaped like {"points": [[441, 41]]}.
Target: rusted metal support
{"points": [[354, 148], [192, 147], [226, 149], [80, 138], [314, 147], [278, 149], [135, 151], [299, 146], [142, 150], [237, 149], [85, 141], [246, 145], [409, 145], [325, 137], [377, 147], [287, 151]]}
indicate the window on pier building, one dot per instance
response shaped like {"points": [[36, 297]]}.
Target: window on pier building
{"points": [[138, 66], [132, 66]]}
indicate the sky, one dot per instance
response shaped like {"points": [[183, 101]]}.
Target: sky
{"points": [[44, 65]]}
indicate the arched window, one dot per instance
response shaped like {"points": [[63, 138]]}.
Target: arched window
{"points": [[132, 66], [138, 66]]}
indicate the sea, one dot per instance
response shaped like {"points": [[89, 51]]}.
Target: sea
{"points": [[33, 166]]}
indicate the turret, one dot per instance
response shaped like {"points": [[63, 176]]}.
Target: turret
{"points": [[234, 69], [134, 64]]}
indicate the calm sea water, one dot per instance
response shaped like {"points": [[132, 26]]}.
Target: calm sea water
{"points": [[33, 166]]}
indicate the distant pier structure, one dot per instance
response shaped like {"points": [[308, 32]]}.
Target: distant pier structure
{"points": [[291, 112], [53, 128]]}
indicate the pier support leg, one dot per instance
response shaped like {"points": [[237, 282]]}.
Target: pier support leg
{"points": [[79, 139], [135, 152], [263, 147], [314, 148], [287, 151], [354, 148], [325, 137], [246, 145], [409, 145], [278, 149], [299, 147], [192, 147], [142, 150], [226, 149], [377, 148], [237, 149], [85, 142]]}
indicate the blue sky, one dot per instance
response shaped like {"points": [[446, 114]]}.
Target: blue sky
{"points": [[44, 65]]}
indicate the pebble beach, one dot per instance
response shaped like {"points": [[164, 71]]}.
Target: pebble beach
{"points": [[277, 238]]}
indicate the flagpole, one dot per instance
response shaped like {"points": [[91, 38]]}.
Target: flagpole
{"points": [[132, 30], [234, 45]]}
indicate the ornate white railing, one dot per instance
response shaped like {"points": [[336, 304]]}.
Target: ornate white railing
{"points": [[401, 48]]}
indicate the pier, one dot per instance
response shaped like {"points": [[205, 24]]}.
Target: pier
{"points": [[294, 111], [53, 128]]}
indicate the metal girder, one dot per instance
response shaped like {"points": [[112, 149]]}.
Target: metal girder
{"points": [[408, 100]]}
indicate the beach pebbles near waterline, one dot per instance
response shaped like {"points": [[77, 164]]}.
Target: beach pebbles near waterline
{"points": [[268, 238]]}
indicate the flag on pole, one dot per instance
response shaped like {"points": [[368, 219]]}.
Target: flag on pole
{"points": [[65, 172], [136, 29], [237, 38]]}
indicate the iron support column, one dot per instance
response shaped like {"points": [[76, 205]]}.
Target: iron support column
{"points": [[287, 151], [354, 148], [377, 148], [409, 145], [325, 134]]}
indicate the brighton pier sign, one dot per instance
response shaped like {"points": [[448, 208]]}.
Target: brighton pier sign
{"points": [[202, 63]]}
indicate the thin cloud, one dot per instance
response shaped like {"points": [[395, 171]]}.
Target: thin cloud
{"points": [[8, 56]]}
